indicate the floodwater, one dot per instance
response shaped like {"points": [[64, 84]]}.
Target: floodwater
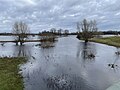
{"points": [[67, 65]]}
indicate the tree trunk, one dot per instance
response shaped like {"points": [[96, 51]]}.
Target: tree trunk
{"points": [[17, 43], [21, 43], [86, 40]]}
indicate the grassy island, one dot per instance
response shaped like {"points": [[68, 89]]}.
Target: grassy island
{"points": [[9, 77]]}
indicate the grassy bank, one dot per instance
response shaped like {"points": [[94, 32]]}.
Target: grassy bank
{"points": [[9, 77], [112, 41]]}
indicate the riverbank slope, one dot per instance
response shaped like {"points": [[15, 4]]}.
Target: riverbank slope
{"points": [[9, 77], [112, 41]]}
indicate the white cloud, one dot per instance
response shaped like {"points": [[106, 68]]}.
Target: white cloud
{"points": [[30, 2], [118, 13]]}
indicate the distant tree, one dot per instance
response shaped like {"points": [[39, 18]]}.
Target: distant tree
{"points": [[60, 31], [20, 29], [66, 32], [53, 30], [86, 29], [78, 27]]}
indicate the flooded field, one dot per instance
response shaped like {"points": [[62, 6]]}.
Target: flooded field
{"points": [[66, 65]]}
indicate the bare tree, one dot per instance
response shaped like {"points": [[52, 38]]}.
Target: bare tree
{"points": [[86, 29], [53, 30], [20, 29], [60, 31], [66, 32]]}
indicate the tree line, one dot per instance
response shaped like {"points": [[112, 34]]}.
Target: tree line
{"points": [[21, 31], [86, 29]]}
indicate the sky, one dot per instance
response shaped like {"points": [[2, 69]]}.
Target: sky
{"points": [[46, 14]]}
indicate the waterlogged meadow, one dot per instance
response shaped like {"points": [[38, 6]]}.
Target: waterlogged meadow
{"points": [[67, 64]]}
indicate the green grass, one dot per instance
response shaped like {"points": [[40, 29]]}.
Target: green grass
{"points": [[112, 41], [9, 77]]}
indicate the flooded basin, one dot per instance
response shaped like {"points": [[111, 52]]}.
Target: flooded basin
{"points": [[68, 65]]}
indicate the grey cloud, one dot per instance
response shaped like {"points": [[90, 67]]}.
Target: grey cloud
{"points": [[45, 14]]}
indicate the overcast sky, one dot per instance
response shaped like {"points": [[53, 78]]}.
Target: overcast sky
{"points": [[45, 14]]}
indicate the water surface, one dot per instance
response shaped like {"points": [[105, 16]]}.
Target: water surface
{"points": [[67, 65]]}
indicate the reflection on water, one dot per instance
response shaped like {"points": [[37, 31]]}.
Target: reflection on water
{"points": [[117, 51], [65, 82], [114, 65], [86, 50], [58, 83], [2, 44], [22, 51]]}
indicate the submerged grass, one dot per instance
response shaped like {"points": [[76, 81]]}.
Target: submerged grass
{"points": [[112, 41], [9, 77]]}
